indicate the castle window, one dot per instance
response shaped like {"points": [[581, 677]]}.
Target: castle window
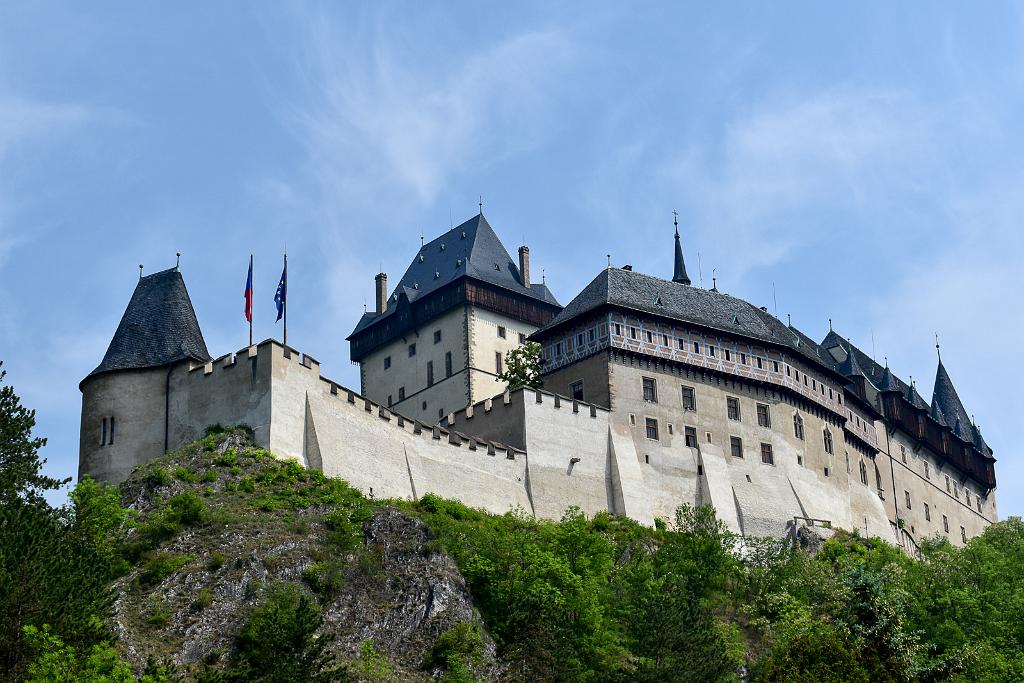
{"points": [[827, 436], [948, 489], [670, 428], [708, 435], [798, 426], [497, 362], [652, 428], [903, 455], [927, 471], [681, 343], [736, 446], [775, 366], [440, 413], [863, 473], [967, 493], [743, 359], [764, 418], [650, 336], [387, 362], [111, 441], [767, 457], [522, 338], [103, 437], [576, 390], [696, 347], [430, 373], [839, 397], [691, 436], [591, 335], [732, 407], [906, 495], [618, 330], [759, 363], [827, 473], [664, 340], [963, 534], [927, 513], [945, 524], [650, 390], [401, 393], [632, 333], [787, 371], [805, 379], [689, 399], [501, 331], [956, 491], [579, 339], [448, 364], [632, 419], [830, 393], [814, 385], [711, 351], [558, 348], [728, 354], [412, 350], [979, 505], [437, 336]]}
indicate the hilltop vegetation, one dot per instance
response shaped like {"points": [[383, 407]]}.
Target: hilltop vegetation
{"points": [[219, 562]]}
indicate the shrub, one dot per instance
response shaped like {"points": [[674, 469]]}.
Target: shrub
{"points": [[159, 566], [187, 509], [325, 578], [228, 458], [373, 666], [184, 474], [204, 598], [215, 561], [209, 476], [458, 649], [280, 642], [156, 476]]}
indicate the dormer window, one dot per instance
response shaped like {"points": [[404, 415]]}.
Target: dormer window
{"points": [[442, 246], [421, 258], [497, 267]]}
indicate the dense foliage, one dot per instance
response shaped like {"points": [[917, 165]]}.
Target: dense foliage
{"points": [[583, 599], [522, 367]]}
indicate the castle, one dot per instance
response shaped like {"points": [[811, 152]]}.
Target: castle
{"points": [[656, 393]]}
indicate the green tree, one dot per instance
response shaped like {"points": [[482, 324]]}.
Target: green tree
{"points": [[20, 466], [522, 367], [280, 643]]}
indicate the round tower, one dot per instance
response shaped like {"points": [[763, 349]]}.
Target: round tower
{"points": [[125, 400]]}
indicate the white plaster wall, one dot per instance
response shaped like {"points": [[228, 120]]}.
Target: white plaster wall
{"points": [[484, 343]]}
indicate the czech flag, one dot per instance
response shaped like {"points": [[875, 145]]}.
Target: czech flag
{"points": [[248, 293]]}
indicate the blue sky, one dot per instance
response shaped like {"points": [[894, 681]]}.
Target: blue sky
{"points": [[866, 161]]}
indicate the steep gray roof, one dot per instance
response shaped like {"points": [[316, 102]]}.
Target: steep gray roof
{"points": [[158, 327], [944, 396], [471, 249], [679, 271], [710, 309]]}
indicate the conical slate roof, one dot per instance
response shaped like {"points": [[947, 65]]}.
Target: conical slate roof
{"points": [[948, 401], [679, 272], [850, 367], [888, 382], [158, 327], [914, 398], [470, 249]]}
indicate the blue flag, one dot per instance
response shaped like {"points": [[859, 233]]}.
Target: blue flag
{"points": [[282, 290]]}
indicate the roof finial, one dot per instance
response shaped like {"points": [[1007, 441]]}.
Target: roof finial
{"points": [[177, 264], [830, 324], [714, 280], [789, 320], [938, 352], [481, 205], [609, 260], [675, 220], [140, 271], [887, 362], [543, 277], [421, 238]]}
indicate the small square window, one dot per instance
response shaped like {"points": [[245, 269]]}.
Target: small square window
{"points": [[501, 331], [736, 446], [387, 362], [437, 336], [691, 436], [767, 457], [652, 428], [696, 347], [412, 350], [401, 393]]}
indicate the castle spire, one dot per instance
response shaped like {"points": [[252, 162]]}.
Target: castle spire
{"points": [[679, 273]]}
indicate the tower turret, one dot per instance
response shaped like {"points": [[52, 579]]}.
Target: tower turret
{"points": [[126, 399]]}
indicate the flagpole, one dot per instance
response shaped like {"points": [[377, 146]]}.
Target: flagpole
{"points": [[285, 302], [251, 297]]}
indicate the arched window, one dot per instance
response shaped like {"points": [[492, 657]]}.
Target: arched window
{"points": [[827, 435], [798, 426]]}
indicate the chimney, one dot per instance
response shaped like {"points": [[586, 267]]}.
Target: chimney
{"points": [[524, 265], [382, 292]]}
